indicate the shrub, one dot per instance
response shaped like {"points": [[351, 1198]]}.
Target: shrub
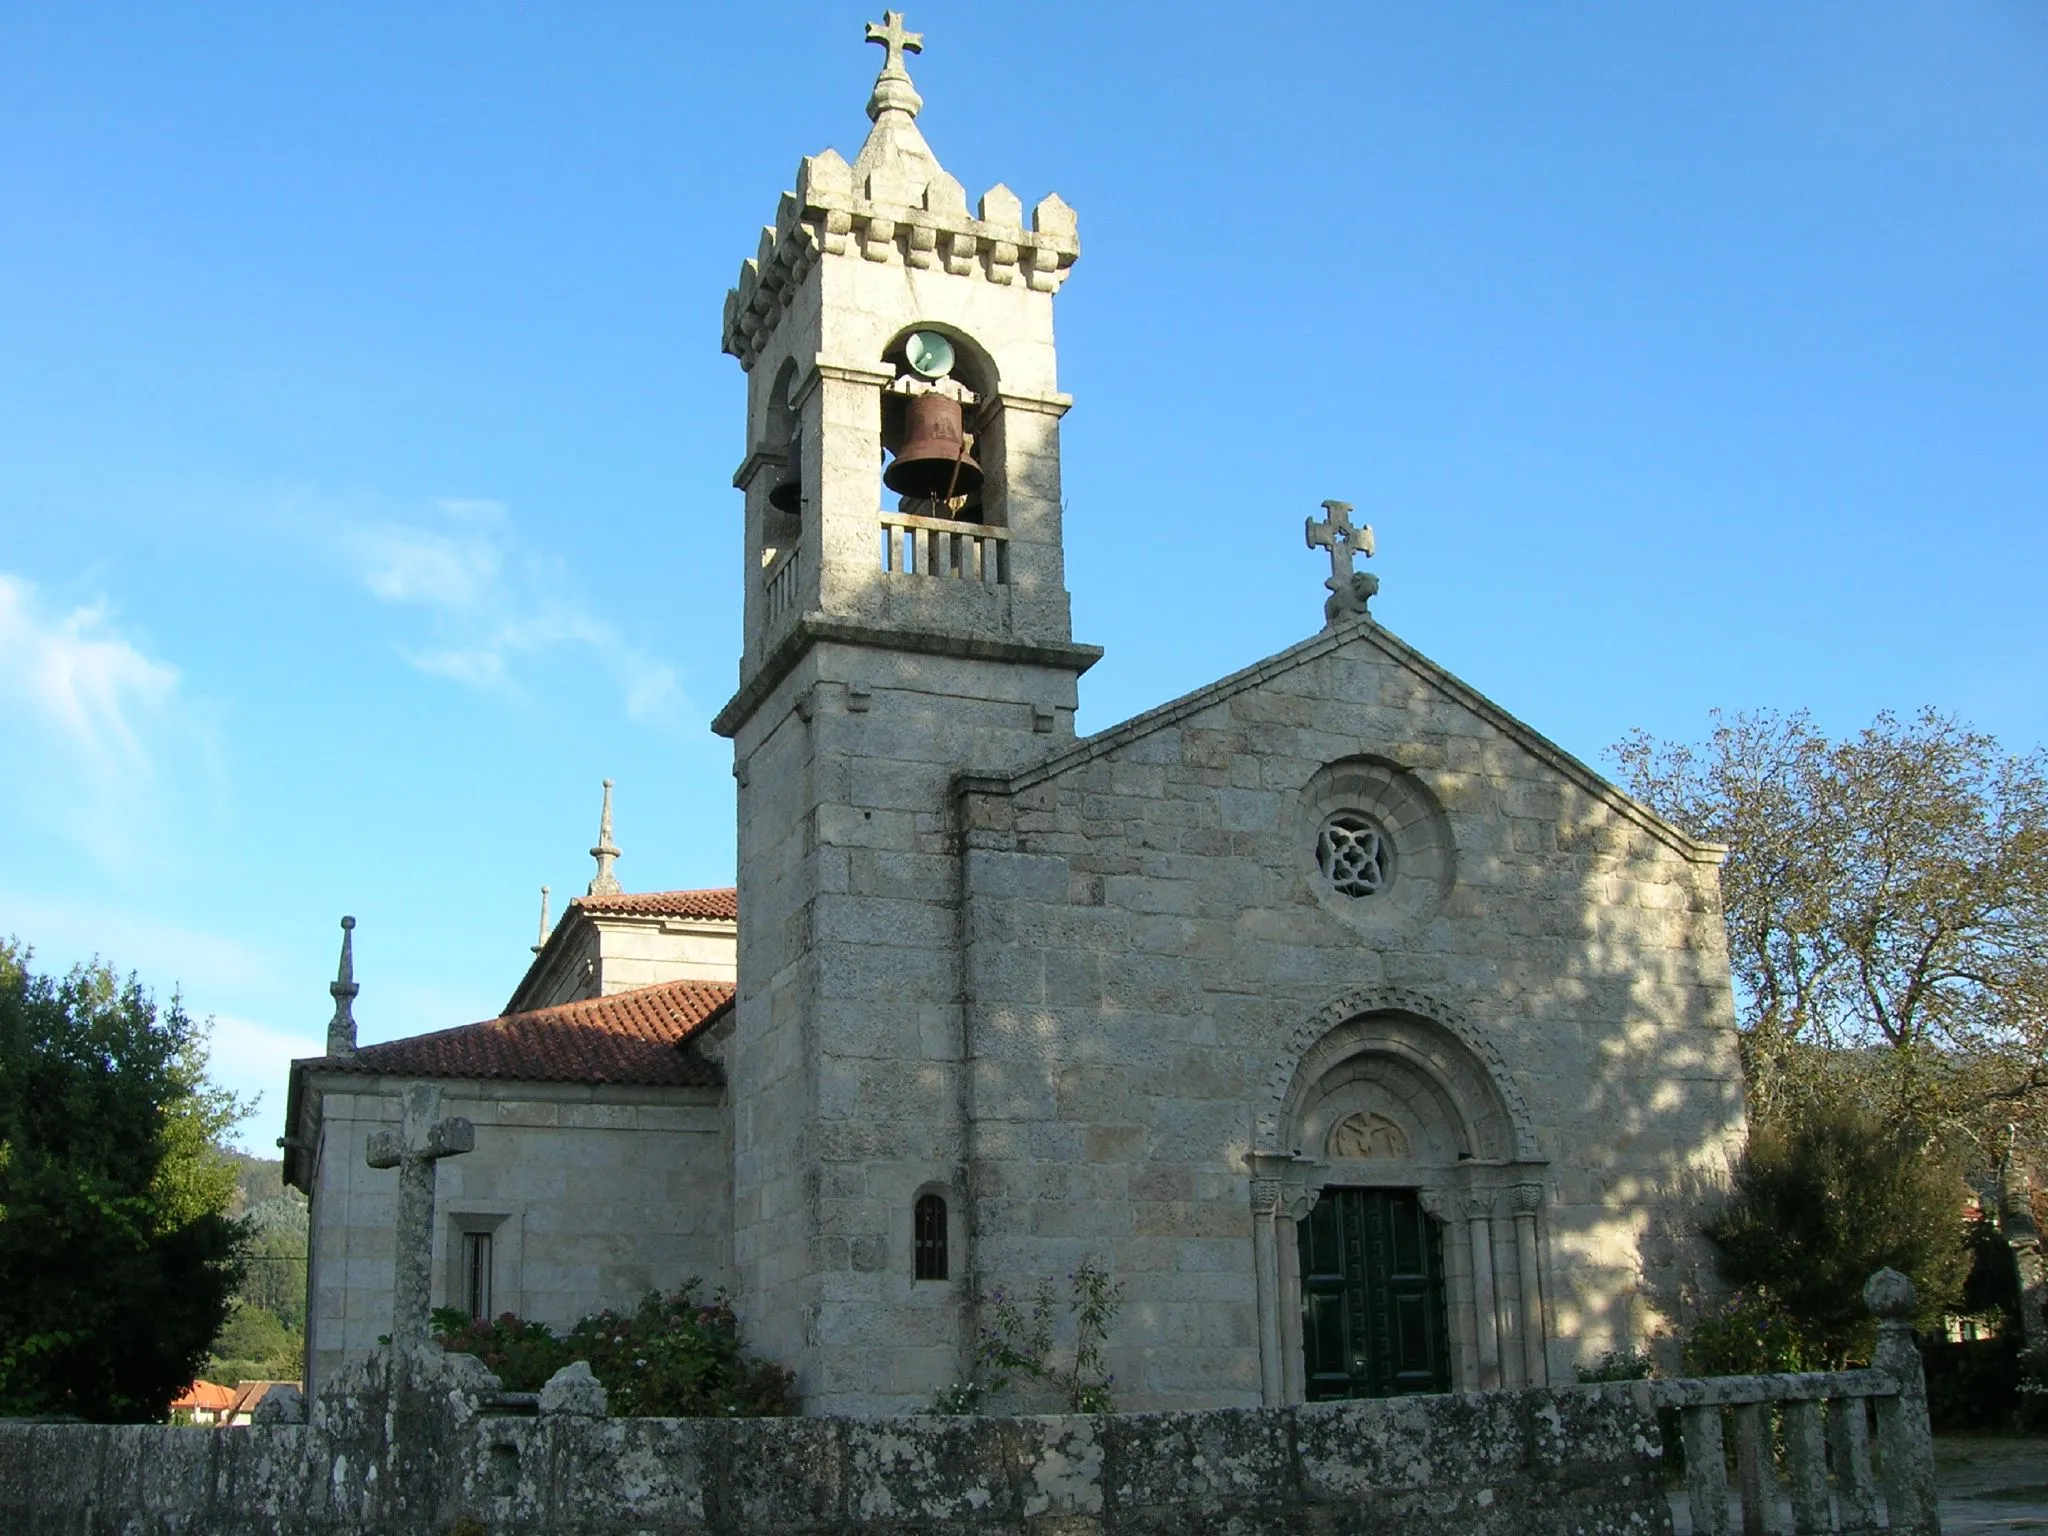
{"points": [[672, 1356], [676, 1357], [1822, 1202], [520, 1354], [1749, 1334], [1617, 1365]]}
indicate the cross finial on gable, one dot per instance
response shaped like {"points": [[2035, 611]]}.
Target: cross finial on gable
{"points": [[341, 1029], [1349, 592], [605, 883]]}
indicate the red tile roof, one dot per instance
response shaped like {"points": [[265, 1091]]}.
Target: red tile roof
{"points": [[204, 1397], [722, 904], [640, 1037], [250, 1393]]}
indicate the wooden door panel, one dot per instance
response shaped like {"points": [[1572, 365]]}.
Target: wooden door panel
{"points": [[1372, 1296]]}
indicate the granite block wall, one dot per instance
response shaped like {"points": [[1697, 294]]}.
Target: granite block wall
{"points": [[1582, 1461]]}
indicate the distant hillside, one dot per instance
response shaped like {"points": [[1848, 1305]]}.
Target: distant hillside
{"points": [[263, 1338], [260, 1180]]}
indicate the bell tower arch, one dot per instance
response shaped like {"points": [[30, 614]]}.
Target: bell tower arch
{"points": [[906, 618]]}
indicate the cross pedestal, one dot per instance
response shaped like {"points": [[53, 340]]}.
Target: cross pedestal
{"points": [[422, 1140]]}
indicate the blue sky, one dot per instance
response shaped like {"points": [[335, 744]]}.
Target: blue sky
{"points": [[365, 444]]}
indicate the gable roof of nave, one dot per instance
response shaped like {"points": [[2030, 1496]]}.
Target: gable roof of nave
{"points": [[642, 1037], [645, 1038], [1361, 631], [718, 904]]}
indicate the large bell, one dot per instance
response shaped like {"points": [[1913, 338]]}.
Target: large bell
{"points": [[788, 495], [933, 462]]}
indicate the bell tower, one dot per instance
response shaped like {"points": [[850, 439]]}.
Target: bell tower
{"points": [[906, 620]]}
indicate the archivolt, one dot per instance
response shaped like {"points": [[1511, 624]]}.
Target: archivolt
{"points": [[1368, 1018]]}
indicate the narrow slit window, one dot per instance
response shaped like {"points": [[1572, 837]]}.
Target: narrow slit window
{"points": [[476, 1273], [931, 1237]]}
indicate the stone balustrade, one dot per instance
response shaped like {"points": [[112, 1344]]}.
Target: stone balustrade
{"points": [[779, 587], [1818, 1423], [1816, 1426], [942, 546]]}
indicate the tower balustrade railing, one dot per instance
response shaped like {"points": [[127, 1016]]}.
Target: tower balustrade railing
{"points": [[913, 545], [779, 586]]}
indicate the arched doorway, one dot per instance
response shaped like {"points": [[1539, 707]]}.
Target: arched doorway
{"points": [[1397, 1195]]}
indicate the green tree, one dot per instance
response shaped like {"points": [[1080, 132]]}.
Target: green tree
{"points": [[1824, 1200], [1887, 907], [275, 1260], [253, 1345], [117, 1255]]}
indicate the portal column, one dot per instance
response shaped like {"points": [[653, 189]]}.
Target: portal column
{"points": [[1528, 1200], [1266, 1272], [1485, 1326], [1295, 1204]]}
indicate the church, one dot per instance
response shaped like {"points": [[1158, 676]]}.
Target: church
{"points": [[1373, 1043]]}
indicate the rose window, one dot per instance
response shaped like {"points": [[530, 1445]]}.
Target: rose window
{"points": [[1352, 853]]}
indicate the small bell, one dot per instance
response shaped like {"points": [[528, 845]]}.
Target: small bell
{"points": [[788, 495], [932, 464]]}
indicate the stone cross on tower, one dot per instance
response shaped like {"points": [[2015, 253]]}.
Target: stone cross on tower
{"points": [[893, 89], [892, 36], [422, 1139], [1349, 591], [605, 883]]}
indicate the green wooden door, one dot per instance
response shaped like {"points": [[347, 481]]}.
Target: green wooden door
{"points": [[1372, 1296]]}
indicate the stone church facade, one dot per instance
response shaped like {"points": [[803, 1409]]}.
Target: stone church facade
{"points": [[1371, 1041]]}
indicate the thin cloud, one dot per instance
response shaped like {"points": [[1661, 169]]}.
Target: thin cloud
{"points": [[94, 720], [89, 687], [487, 602]]}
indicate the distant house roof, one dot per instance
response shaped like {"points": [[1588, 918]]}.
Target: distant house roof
{"points": [[720, 904], [249, 1394], [640, 1037], [204, 1397]]}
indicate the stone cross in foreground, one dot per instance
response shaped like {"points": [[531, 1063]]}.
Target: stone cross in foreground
{"points": [[1349, 591], [422, 1139]]}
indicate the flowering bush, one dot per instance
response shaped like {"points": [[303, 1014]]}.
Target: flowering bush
{"points": [[672, 1356], [520, 1354]]}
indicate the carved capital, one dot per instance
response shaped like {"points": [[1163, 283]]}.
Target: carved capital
{"points": [[1265, 1196], [1435, 1202], [1527, 1199], [1295, 1204], [1478, 1204]]}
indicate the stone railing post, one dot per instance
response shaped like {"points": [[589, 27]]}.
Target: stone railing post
{"points": [[1855, 1484], [1806, 1468], [1706, 1468], [1905, 1438]]}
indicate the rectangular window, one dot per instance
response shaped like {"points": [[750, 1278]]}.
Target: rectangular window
{"points": [[929, 1256], [476, 1273]]}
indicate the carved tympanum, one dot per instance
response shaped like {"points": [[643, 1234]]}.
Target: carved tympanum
{"points": [[1368, 1135]]}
